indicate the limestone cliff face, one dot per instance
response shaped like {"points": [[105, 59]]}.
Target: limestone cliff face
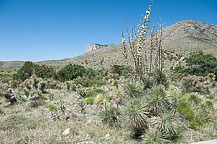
{"points": [[94, 46]]}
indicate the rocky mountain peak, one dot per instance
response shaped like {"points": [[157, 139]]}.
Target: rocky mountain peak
{"points": [[93, 47]]}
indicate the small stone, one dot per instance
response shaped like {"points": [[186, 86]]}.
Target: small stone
{"points": [[107, 135], [66, 132]]}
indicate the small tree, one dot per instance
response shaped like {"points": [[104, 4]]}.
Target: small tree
{"points": [[70, 72]]}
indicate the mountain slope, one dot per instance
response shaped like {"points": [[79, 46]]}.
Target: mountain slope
{"points": [[181, 38]]}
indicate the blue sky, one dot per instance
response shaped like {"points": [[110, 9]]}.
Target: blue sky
{"points": [[55, 29]]}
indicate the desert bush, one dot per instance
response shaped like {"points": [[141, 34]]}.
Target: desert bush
{"points": [[70, 72], [199, 64], [52, 108], [89, 100], [29, 68], [194, 108], [170, 127], [90, 73], [121, 70], [136, 116], [94, 92], [194, 84]]}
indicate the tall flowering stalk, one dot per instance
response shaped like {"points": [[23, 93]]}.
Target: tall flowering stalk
{"points": [[141, 43]]}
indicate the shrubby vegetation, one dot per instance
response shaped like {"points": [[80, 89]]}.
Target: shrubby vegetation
{"points": [[142, 104], [199, 64], [29, 68]]}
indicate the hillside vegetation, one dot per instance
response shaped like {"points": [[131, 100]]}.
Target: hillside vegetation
{"points": [[149, 95]]}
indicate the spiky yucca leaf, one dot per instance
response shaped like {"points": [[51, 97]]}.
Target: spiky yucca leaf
{"points": [[136, 113], [134, 90], [154, 137], [170, 126], [158, 101]]}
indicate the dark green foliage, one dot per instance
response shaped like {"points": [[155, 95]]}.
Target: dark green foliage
{"points": [[70, 72], [4, 78], [90, 73], [29, 68], [121, 70], [199, 64]]}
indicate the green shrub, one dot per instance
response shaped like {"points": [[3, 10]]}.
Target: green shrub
{"points": [[89, 100], [70, 72], [154, 137], [90, 73], [137, 115], [170, 127], [29, 68], [195, 109], [52, 108], [121, 70], [199, 64]]}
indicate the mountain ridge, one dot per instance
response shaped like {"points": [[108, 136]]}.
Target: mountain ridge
{"points": [[182, 37]]}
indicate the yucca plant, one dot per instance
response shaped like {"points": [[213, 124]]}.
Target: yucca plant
{"points": [[160, 77], [110, 115], [134, 90], [136, 115], [154, 137], [144, 48], [170, 127], [158, 101]]}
